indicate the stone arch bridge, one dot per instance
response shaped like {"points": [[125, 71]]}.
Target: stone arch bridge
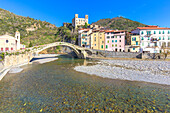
{"points": [[81, 52]]}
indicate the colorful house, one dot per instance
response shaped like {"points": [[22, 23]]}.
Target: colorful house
{"points": [[153, 38], [115, 40], [135, 43], [98, 40], [84, 38]]}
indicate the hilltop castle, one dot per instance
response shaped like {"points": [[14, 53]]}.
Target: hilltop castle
{"points": [[79, 21]]}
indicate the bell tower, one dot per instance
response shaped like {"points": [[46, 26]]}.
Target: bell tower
{"points": [[17, 38]]}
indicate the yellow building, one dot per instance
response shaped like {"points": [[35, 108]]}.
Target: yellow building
{"points": [[135, 43], [97, 40]]}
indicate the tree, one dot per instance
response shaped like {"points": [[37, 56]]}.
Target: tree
{"points": [[30, 45], [85, 25]]}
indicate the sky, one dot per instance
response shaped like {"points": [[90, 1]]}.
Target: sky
{"points": [[150, 12]]}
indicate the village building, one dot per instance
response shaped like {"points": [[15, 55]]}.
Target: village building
{"points": [[84, 38], [9, 43], [135, 43], [115, 40], [98, 40], [153, 38]]}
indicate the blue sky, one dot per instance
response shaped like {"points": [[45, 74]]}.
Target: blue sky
{"points": [[150, 12]]}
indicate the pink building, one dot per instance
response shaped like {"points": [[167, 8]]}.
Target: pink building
{"points": [[115, 40]]}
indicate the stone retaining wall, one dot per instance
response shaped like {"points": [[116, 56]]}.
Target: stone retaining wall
{"points": [[13, 60], [113, 54]]}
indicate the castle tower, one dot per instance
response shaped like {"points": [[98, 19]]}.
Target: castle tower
{"points": [[76, 15], [17, 37], [87, 19]]}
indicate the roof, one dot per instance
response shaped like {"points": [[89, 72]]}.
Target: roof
{"points": [[152, 27], [7, 36], [107, 31]]}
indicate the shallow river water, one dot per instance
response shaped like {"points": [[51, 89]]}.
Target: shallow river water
{"points": [[57, 87]]}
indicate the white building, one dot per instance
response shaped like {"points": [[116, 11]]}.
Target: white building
{"points": [[84, 38], [79, 21], [10, 43], [153, 38]]}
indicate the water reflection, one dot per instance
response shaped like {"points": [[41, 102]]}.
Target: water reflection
{"points": [[56, 87]]}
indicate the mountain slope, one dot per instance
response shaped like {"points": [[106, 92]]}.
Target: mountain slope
{"points": [[35, 31], [119, 23]]}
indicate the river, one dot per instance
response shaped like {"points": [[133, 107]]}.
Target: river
{"points": [[57, 87]]}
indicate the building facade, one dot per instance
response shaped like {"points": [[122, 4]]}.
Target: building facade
{"points": [[9, 43], [84, 39], [98, 40], [153, 38], [115, 40], [135, 43], [79, 21]]}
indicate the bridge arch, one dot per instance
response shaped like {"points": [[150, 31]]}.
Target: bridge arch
{"points": [[79, 51]]}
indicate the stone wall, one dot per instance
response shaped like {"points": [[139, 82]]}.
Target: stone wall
{"points": [[113, 54], [14, 60]]}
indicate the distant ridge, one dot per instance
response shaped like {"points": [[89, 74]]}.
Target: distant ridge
{"points": [[119, 23]]}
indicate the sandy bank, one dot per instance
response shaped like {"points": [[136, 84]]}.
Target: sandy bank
{"points": [[147, 71]]}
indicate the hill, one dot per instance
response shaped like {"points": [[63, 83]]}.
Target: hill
{"points": [[32, 30], [119, 23]]}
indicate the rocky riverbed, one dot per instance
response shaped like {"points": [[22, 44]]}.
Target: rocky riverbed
{"points": [[133, 70]]}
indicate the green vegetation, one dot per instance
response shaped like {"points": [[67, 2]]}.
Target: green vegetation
{"points": [[34, 32], [119, 23]]}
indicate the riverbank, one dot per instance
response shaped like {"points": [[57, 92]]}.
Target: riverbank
{"points": [[132, 70], [42, 58]]}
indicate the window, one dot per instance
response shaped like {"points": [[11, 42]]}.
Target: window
{"points": [[136, 42], [168, 32], [133, 48], [94, 44], [159, 38], [120, 36], [100, 37], [120, 46], [168, 38], [119, 40], [108, 41], [112, 45], [85, 43], [142, 38], [159, 32], [102, 46], [94, 38], [112, 32], [11, 49], [142, 44], [108, 36], [154, 32], [115, 40], [163, 32], [6, 49], [116, 45], [108, 33], [112, 40], [142, 32], [134, 39], [148, 38], [148, 32], [112, 36], [7, 41], [106, 46], [2, 49], [115, 36], [163, 38], [82, 42]]}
